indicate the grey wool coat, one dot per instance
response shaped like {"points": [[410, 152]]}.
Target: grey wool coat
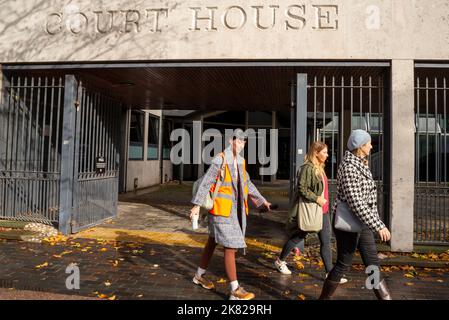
{"points": [[227, 230]]}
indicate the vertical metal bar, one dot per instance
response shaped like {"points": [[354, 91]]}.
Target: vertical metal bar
{"points": [[428, 199], [22, 199], [445, 209], [82, 144], [42, 185], [445, 131], [427, 130], [352, 103], [436, 139], [361, 100], [315, 84], [50, 130], [342, 134], [292, 144], [29, 148], [333, 130], [16, 150], [418, 219], [301, 118], [66, 182], [436, 170], [92, 132], [324, 109]]}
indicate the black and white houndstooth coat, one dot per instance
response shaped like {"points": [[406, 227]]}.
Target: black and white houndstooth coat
{"points": [[356, 186]]}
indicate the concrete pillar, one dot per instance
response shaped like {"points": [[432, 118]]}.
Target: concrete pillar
{"points": [[402, 158]]}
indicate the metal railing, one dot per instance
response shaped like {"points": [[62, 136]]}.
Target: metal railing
{"points": [[30, 134], [431, 209], [335, 107]]}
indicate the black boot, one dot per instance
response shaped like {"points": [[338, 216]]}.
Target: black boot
{"points": [[328, 290], [382, 293]]}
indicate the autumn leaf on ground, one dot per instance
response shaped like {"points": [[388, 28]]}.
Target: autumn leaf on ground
{"points": [[62, 254], [409, 284], [103, 249], [107, 284], [440, 281], [267, 255], [299, 265], [221, 280], [115, 263], [45, 264], [112, 297], [409, 275], [102, 296], [301, 297]]}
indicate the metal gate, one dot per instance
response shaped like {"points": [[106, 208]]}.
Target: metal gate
{"points": [[59, 152], [328, 108], [30, 147], [96, 158], [431, 157]]}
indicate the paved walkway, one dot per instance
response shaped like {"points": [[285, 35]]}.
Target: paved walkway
{"points": [[150, 252]]}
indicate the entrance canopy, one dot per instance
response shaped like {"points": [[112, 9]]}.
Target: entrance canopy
{"points": [[261, 86]]}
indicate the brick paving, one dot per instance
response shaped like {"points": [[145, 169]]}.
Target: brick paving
{"points": [[157, 271]]}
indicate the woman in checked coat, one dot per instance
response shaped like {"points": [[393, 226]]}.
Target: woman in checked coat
{"points": [[227, 219], [356, 187]]}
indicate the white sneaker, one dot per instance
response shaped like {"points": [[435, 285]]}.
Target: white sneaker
{"points": [[282, 267], [342, 280]]}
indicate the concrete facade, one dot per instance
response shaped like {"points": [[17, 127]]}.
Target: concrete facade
{"points": [[402, 149], [399, 31], [99, 30], [148, 172]]}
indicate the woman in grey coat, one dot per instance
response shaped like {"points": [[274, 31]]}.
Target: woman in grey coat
{"points": [[227, 228]]}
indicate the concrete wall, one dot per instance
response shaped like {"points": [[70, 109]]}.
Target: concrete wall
{"points": [[147, 171], [94, 30]]}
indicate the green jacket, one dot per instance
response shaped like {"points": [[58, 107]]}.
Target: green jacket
{"points": [[310, 187]]}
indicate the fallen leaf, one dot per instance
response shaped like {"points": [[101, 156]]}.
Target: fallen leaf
{"points": [[440, 281], [299, 265], [103, 249], [301, 297], [408, 275], [409, 284], [221, 280], [107, 283], [112, 297], [45, 264]]}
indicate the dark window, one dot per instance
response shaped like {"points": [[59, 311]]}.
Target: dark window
{"points": [[153, 138], [166, 143], [136, 132]]}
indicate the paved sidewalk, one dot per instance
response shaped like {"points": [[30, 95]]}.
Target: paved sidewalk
{"points": [[151, 252], [119, 270]]}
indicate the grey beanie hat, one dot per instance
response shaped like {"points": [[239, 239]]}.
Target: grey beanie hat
{"points": [[357, 139]]}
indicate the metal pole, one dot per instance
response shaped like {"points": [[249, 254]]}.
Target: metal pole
{"points": [[67, 153], [301, 119]]}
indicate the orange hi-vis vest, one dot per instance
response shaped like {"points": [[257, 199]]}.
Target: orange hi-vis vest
{"points": [[223, 200]]}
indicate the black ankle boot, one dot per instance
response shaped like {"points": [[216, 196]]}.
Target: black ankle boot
{"points": [[382, 293], [328, 290]]}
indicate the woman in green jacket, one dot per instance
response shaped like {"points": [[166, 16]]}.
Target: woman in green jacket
{"points": [[313, 187]]}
